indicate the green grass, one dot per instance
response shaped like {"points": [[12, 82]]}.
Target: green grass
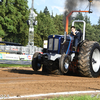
{"points": [[76, 97], [71, 97], [13, 65]]}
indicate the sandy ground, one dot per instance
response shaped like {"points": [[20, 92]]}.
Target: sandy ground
{"points": [[24, 81]]}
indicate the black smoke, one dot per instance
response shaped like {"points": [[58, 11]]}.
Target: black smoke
{"points": [[72, 5]]}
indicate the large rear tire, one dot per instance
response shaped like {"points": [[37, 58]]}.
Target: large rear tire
{"points": [[89, 59], [36, 65]]}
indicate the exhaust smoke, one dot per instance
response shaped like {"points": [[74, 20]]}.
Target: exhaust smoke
{"points": [[72, 5]]}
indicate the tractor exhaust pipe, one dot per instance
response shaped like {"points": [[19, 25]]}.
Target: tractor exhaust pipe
{"points": [[64, 38]]}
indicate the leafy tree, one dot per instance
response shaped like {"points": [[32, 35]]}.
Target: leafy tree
{"points": [[87, 19], [99, 21], [46, 11], [79, 16], [90, 33], [2, 15], [22, 17], [13, 16], [52, 16], [9, 26], [58, 21], [97, 32], [38, 40], [45, 27]]}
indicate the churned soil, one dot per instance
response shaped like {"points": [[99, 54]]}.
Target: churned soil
{"points": [[24, 81]]}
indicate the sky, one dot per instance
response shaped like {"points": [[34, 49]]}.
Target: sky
{"points": [[57, 7]]}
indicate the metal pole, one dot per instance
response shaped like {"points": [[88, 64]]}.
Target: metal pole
{"points": [[31, 30], [32, 4], [32, 49]]}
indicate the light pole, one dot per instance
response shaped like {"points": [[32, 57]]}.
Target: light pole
{"points": [[32, 22]]}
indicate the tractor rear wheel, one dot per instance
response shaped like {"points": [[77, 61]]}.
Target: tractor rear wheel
{"points": [[89, 59], [35, 63]]}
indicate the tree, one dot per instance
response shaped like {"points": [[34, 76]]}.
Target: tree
{"points": [[99, 21], [44, 28], [97, 30], [13, 16], [9, 24], [87, 19], [90, 33], [22, 17], [46, 11], [2, 16], [79, 16], [58, 21]]}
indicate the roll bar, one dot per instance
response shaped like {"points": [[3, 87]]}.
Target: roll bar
{"points": [[80, 21]]}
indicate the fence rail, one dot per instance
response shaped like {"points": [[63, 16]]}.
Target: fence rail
{"points": [[20, 49]]}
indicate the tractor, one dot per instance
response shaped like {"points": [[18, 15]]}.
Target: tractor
{"points": [[61, 58]]}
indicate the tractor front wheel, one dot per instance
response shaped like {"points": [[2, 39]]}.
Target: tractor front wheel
{"points": [[36, 65], [64, 63]]}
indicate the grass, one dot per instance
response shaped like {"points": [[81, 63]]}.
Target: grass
{"points": [[76, 97], [71, 97], [13, 65]]}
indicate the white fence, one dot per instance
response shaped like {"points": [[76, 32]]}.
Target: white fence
{"points": [[20, 49], [15, 57]]}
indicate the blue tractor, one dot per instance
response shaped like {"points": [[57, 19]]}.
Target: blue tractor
{"points": [[61, 57]]}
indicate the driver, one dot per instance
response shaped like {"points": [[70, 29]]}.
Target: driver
{"points": [[76, 36]]}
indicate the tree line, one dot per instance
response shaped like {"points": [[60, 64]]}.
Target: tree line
{"points": [[13, 24], [13, 16]]}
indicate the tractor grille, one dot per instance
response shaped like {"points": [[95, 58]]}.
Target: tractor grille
{"points": [[50, 44], [56, 44], [53, 44]]}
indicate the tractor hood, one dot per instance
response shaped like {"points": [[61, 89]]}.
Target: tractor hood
{"points": [[55, 43]]}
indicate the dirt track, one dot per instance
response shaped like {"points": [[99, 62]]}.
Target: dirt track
{"points": [[24, 81]]}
